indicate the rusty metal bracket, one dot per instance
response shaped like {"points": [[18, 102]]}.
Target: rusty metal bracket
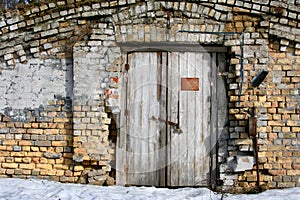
{"points": [[173, 124]]}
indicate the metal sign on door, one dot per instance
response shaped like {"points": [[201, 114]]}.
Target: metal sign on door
{"points": [[165, 136]]}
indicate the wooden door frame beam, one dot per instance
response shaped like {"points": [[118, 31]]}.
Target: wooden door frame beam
{"points": [[127, 47]]}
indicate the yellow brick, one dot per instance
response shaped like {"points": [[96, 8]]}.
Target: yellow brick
{"points": [[59, 161], [52, 172], [10, 142], [35, 125], [3, 148], [293, 172], [26, 160], [43, 172], [59, 143], [262, 98], [35, 131], [293, 123], [4, 153], [26, 172], [44, 166], [284, 160], [27, 166], [277, 55], [25, 148], [10, 171], [9, 148], [43, 149], [286, 111], [276, 148], [61, 120], [106, 120], [267, 166], [266, 104], [10, 165], [272, 110], [77, 173], [287, 165], [295, 129], [43, 160], [276, 117], [78, 168], [18, 154], [285, 61], [295, 117], [276, 123], [51, 161], [2, 125], [25, 143], [261, 154], [27, 125], [34, 154], [60, 172], [51, 131], [60, 166], [251, 178]]}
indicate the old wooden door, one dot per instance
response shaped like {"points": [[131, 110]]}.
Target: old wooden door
{"points": [[166, 121]]}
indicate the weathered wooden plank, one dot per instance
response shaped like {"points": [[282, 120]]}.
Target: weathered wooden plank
{"points": [[205, 136], [192, 108], [214, 122], [132, 116], [121, 137], [142, 130], [143, 163], [199, 121], [162, 86], [183, 119], [171, 46], [153, 110], [173, 114]]}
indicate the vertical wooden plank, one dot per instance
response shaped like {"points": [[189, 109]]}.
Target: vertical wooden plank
{"points": [[173, 113], [199, 121], [183, 119], [153, 111], [132, 117], [163, 64], [143, 86], [192, 109], [205, 136], [121, 137], [142, 154], [214, 120], [135, 119]]}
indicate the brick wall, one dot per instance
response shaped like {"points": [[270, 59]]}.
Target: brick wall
{"points": [[60, 65], [40, 145]]}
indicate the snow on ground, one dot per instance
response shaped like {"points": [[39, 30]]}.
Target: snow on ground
{"points": [[33, 189]]}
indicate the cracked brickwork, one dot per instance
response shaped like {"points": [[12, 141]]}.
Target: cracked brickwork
{"points": [[60, 64]]}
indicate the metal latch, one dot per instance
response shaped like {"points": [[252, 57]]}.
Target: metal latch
{"points": [[173, 124]]}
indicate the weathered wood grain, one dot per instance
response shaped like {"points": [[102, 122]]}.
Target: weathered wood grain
{"points": [[169, 136]]}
